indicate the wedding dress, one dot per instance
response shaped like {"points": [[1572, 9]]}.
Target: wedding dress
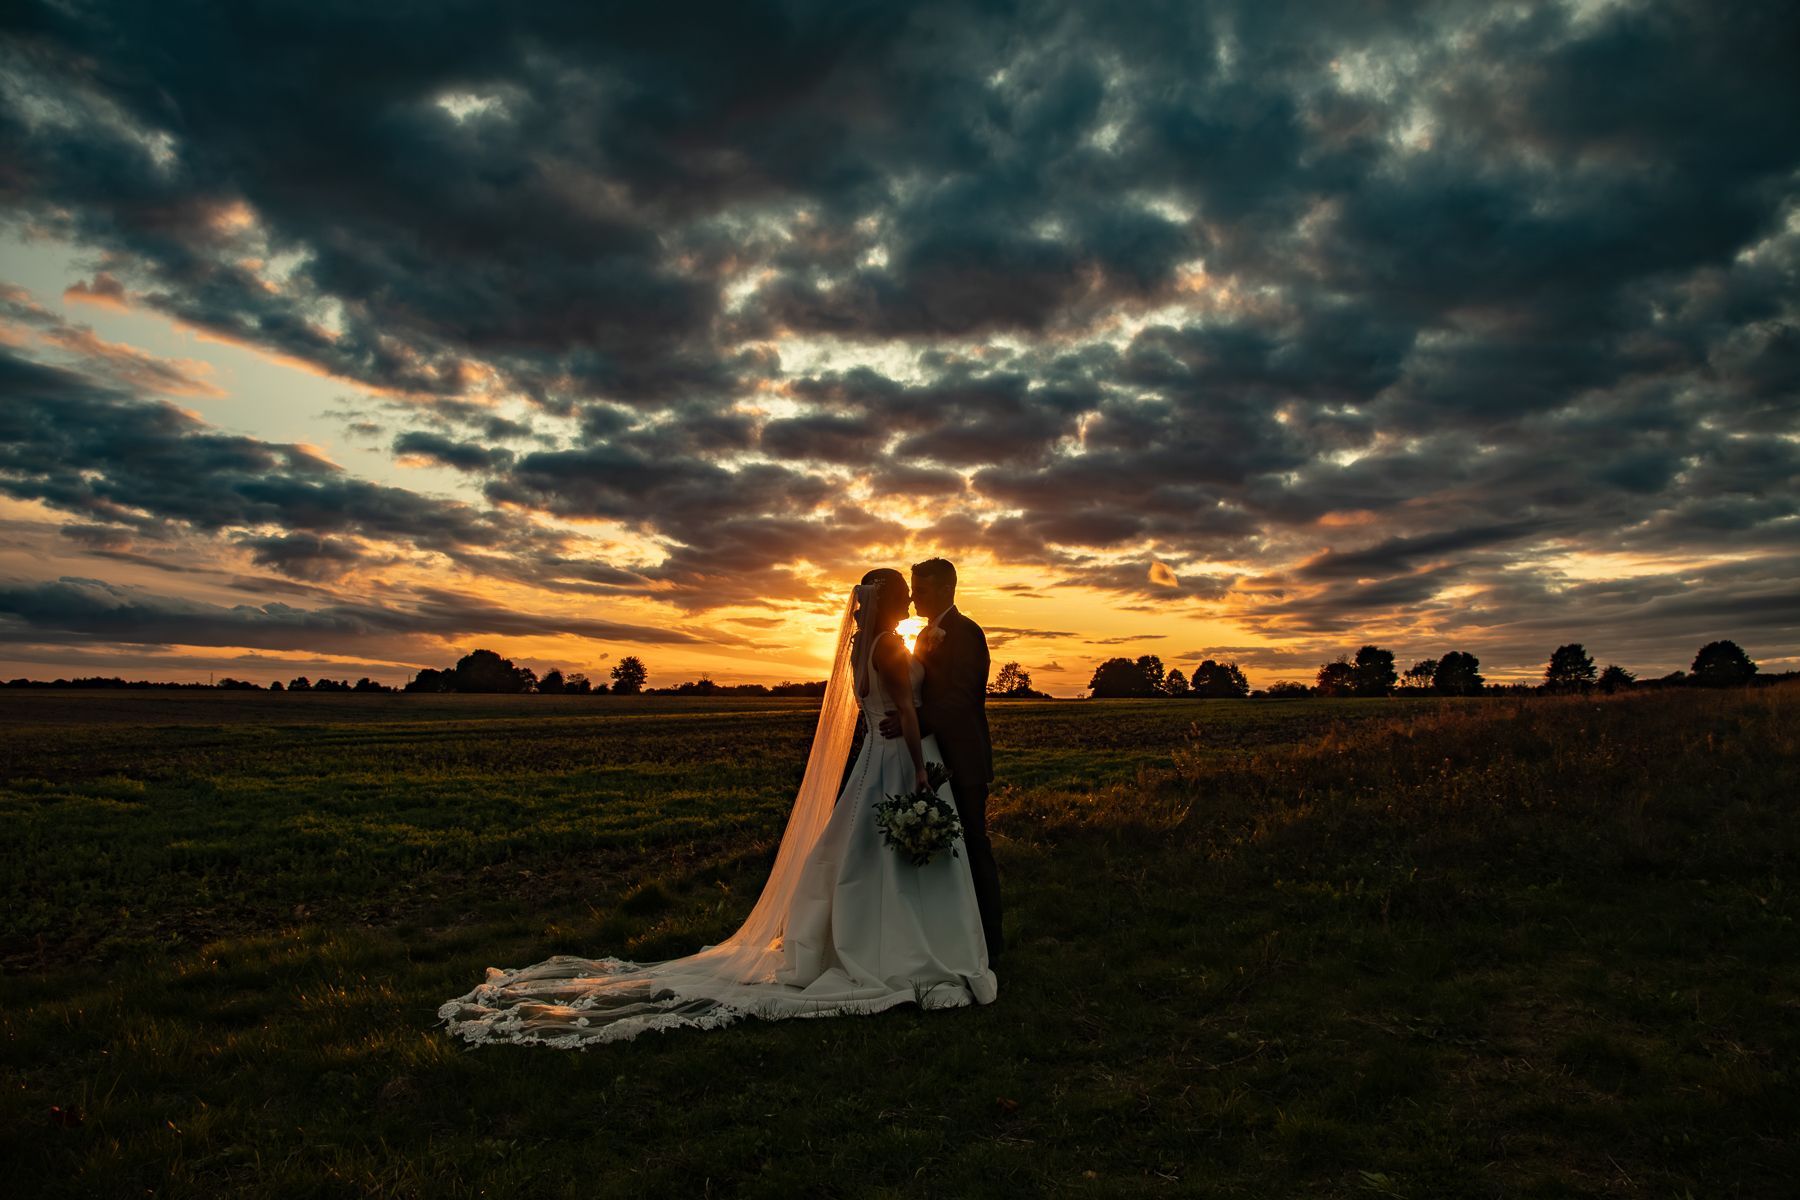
{"points": [[844, 924]]}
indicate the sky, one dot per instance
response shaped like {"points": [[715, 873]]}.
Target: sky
{"points": [[343, 339]]}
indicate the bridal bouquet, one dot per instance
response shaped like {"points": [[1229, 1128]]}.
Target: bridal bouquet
{"points": [[920, 824]]}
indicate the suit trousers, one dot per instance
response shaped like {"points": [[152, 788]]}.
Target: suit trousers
{"points": [[971, 808]]}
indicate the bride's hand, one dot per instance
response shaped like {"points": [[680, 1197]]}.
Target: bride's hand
{"points": [[921, 780]]}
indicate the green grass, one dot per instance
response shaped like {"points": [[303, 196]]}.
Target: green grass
{"points": [[1353, 948]]}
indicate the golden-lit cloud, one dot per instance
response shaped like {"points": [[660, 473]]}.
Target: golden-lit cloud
{"points": [[103, 290], [134, 368]]}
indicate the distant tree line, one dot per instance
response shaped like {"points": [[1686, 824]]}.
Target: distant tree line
{"points": [[227, 684], [480, 671], [113, 681], [1373, 672], [483, 671], [1145, 677], [303, 684], [706, 687]]}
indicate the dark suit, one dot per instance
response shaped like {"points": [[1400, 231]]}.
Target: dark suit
{"points": [[954, 708]]}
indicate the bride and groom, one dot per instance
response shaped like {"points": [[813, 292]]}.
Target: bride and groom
{"points": [[844, 923]]}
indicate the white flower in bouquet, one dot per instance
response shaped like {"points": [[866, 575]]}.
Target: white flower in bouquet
{"points": [[920, 824]]}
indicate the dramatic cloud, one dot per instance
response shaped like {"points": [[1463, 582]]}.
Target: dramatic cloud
{"points": [[94, 607], [84, 447], [1448, 322]]}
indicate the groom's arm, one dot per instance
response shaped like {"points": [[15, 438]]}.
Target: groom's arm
{"points": [[890, 726]]}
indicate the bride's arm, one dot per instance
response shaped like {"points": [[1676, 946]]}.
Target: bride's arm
{"points": [[896, 676]]}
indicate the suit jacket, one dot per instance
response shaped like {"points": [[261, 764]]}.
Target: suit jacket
{"points": [[955, 700]]}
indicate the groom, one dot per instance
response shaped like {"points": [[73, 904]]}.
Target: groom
{"points": [[954, 652]]}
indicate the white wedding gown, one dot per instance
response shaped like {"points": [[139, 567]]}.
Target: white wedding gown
{"points": [[869, 926], [845, 924]]}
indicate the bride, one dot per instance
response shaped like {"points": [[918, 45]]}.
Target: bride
{"points": [[844, 924]]}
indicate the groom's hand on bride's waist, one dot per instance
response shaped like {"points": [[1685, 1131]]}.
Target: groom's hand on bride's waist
{"points": [[890, 725]]}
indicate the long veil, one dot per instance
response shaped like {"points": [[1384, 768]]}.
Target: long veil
{"points": [[569, 1001]]}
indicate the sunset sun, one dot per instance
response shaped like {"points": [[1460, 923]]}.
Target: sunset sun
{"points": [[909, 630]]}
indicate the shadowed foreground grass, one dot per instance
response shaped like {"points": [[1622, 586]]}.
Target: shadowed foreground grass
{"points": [[1476, 948]]}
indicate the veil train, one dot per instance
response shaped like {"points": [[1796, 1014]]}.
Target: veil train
{"points": [[570, 1002]]}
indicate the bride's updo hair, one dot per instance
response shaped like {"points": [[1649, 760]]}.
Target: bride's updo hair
{"points": [[890, 601]]}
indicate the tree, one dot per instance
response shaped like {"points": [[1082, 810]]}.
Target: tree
{"points": [[1614, 678], [1721, 664], [302, 684], [1218, 681], [629, 676], [275, 686], [1458, 674], [576, 684], [485, 672], [1152, 669], [552, 684], [1115, 677], [1176, 684], [1570, 669], [1374, 670], [1122, 677], [1287, 689], [429, 679], [1420, 676], [1011, 680], [1337, 678]]}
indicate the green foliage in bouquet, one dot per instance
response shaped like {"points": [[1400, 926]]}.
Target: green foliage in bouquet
{"points": [[920, 825]]}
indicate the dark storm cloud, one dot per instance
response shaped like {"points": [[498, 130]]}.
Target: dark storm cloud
{"points": [[448, 417], [731, 525], [1346, 605], [827, 437], [1146, 581], [92, 607], [304, 556], [500, 186], [1402, 553], [463, 456], [908, 479], [153, 483], [87, 448], [972, 422], [1383, 300]]}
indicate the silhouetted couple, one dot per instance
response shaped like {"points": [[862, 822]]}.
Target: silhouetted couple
{"points": [[845, 923]]}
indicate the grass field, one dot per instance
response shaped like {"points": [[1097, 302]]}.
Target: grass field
{"points": [[1475, 948]]}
